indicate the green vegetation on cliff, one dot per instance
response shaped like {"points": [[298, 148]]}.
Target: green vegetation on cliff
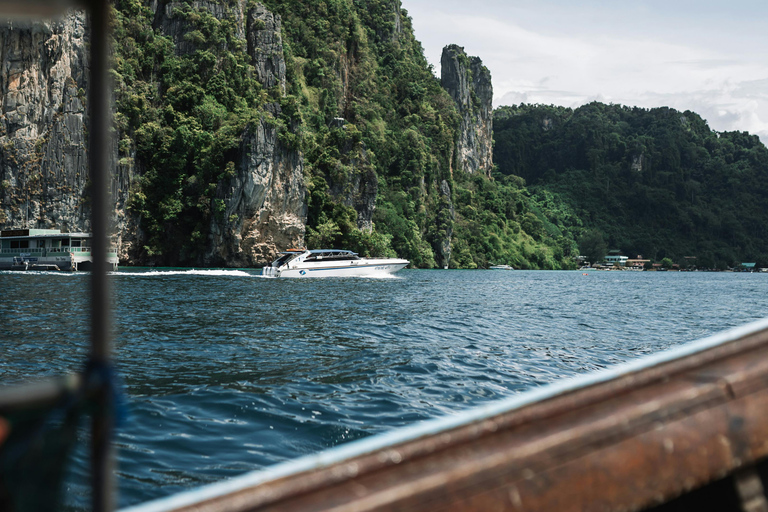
{"points": [[348, 60], [184, 113], [377, 134], [654, 182]]}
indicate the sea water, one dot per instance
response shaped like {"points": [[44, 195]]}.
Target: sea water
{"points": [[226, 372]]}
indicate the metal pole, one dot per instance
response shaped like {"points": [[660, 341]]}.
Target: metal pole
{"points": [[102, 458]]}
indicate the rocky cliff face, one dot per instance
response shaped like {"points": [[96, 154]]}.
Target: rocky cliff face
{"points": [[469, 83], [449, 213], [43, 140], [264, 208], [265, 46], [260, 209], [359, 193], [259, 205], [43, 85]]}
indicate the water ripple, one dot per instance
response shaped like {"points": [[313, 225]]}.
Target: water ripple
{"points": [[227, 372]]}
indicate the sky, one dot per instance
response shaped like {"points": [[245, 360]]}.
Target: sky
{"points": [[705, 56]]}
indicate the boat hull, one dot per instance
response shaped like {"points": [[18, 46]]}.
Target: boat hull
{"points": [[57, 262], [356, 268], [60, 261]]}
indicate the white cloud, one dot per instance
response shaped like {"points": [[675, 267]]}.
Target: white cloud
{"points": [[640, 63]]}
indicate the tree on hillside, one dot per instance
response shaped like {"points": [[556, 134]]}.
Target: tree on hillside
{"points": [[657, 182], [593, 246]]}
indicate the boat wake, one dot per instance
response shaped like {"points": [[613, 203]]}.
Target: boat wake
{"points": [[371, 276], [380, 276], [189, 272], [186, 272], [313, 278]]}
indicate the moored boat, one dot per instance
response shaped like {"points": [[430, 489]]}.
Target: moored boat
{"points": [[330, 263], [501, 267], [47, 249]]}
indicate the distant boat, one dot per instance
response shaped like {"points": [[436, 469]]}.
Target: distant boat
{"points": [[330, 263], [501, 267], [47, 249]]}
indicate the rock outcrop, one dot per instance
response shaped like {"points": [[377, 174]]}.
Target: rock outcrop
{"points": [[448, 214], [265, 46], [353, 181], [43, 146], [358, 188], [264, 202], [469, 83], [264, 208], [171, 21]]}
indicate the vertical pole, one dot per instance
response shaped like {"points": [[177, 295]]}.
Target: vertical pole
{"points": [[102, 457]]}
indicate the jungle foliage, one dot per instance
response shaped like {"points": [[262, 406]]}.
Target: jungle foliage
{"points": [[184, 114], [655, 182], [402, 124], [181, 116]]}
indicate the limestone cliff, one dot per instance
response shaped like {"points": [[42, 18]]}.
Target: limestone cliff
{"points": [[263, 209], [469, 83], [448, 215], [265, 46], [43, 145], [352, 181], [260, 209], [215, 102], [43, 139]]}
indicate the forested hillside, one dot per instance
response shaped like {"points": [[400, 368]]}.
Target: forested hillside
{"points": [[653, 182], [244, 128], [371, 128]]}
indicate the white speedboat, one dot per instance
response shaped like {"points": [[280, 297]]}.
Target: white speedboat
{"points": [[330, 263], [501, 267]]}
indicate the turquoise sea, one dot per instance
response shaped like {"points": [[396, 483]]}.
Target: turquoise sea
{"points": [[225, 371]]}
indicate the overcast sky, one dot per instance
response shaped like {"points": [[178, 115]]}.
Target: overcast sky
{"points": [[705, 56]]}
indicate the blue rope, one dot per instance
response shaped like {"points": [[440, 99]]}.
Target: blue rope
{"points": [[99, 375]]}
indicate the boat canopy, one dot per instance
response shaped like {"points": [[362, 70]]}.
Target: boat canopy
{"points": [[285, 258], [331, 254], [315, 255]]}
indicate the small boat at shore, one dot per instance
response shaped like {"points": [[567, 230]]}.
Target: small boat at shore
{"points": [[501, 267], [330, 263], [48, 249]]}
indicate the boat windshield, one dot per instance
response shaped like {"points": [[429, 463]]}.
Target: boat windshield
{"points": [[332, 256], [285, 258]]}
